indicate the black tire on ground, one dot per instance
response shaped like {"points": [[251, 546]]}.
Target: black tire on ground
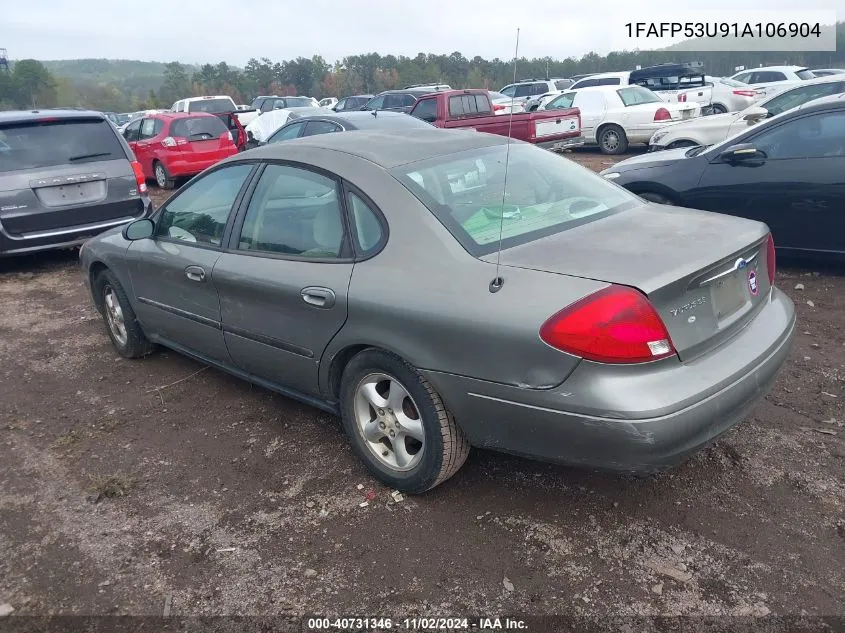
{"points": [[136, 344], [718, 108], [656, 198], [446, 447], [612, 140], [163, 178]]}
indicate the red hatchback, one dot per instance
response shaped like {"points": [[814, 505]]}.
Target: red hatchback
{"points": [[172, 145]]}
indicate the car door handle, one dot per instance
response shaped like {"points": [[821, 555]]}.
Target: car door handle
{"points": [[195, 273], [318, 297]]}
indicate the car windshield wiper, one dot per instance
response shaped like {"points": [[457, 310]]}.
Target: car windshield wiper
{"points": [[84, 156], [695, 151]]}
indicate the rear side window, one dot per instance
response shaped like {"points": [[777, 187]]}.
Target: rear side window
{"points": [[29, 146], [312, 128], [200, 128], [461, 105], [212, 105], [766, 76], [368, 231], [522, 90], [805, 74], [744, 78]]}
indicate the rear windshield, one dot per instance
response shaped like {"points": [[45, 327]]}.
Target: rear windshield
{"points": [[298, 102], [805, 74], [634, 95], [563, 84], [545, 194], [33, 145], [356, 101], [198, 128], [733, 83], [212, 105]]}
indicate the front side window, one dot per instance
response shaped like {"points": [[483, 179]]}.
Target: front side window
{"points": [[815, 136], [545, 194], [133, 131], [561, 102], [376, 103], [635, 95], [199, 213], [294, 212], [148, 128]]}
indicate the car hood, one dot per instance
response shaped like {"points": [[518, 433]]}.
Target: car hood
{"points": [[651, 159]]}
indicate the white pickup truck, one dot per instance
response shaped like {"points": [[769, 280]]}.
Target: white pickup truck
{"points": [[674, 83]]}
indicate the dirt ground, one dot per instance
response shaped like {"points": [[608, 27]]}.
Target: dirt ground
{"points": [[142, 487]]}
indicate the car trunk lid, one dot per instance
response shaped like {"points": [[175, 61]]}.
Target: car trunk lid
{"points": [[705, 273]]}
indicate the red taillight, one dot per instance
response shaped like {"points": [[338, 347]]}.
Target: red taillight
{"points": [[745, 93], [614, 325], [496, 108], [770, 259], [173, 141], [662, 114], [682, 98], [140, 179]]}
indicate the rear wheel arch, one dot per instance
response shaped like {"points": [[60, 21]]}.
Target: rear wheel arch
{"points": [[657, 189], [95, 270]]}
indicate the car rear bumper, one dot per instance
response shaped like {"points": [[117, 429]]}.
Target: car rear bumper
{"points": [[63, 237], [178, 167], [561, 144], [640, 418]]}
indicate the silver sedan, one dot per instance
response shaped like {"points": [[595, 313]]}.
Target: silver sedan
{"points": [[401, 284]]}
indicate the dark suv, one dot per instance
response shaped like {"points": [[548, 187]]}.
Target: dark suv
{"points": [[65, 175], [397, 100]]}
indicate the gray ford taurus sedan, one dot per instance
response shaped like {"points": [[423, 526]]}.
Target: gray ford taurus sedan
{"points": [[401, 284]]}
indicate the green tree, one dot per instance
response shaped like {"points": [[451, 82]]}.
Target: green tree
{"points": [[34, 84], [177, 84]]}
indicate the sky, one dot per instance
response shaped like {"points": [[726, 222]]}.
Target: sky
{"points": [[199, 31]]}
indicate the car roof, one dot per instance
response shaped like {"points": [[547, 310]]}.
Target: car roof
{"points": [[384, 148], [786, 68], [207, 97], [178, 115], [16, 116], [410, 91], [621, 74], [362, 119], [803, 84]]}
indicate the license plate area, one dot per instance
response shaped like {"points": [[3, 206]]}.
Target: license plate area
{"points": [[727, 295], [73, 193]]}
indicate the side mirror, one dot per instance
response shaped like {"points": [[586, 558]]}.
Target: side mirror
{"points": [[739, 153], [138, 230], [755, 114]]}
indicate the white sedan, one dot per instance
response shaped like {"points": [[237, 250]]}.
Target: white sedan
{"points": [[613, 117], [714, 129]]}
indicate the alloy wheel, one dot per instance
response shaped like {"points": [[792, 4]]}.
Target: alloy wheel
{"points": [[114, 316], [389, 421], [161, 177]]}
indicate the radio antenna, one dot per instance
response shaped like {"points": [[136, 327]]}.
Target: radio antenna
{"points": [[498, 282]]}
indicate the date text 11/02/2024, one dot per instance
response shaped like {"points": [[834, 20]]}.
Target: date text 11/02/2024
{"points": [[723, 29], [415, 624]]}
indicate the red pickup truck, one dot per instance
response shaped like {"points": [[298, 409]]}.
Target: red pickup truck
{"points": [[471, 109]]}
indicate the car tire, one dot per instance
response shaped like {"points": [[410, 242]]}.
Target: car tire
{"points": [[121, 323], [612, 140], [656, 198], [162, 176], [373, 387], [718, 108]]}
